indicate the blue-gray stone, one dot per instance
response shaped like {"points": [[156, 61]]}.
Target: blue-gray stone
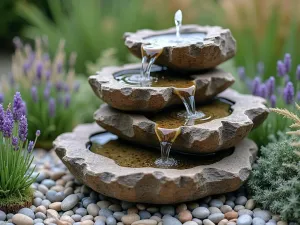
{"points": [[27, 212], [42, 176], [39, 224], [37, 201], [245, 212], [263, 214], [69, 202], [76, 217], [241, 200], [118, 215], [216, 203], [168, 220], [9, 216], [244, 220], [51, 195], [87, 201], [111, 221], [59, 196], [81, 211], [144, 215], [2, 215], [38, 220], [94, 195], [48, 183], [201, 213], [272, 222], [126, 205], [258, 221], [105, 212], [46, 203], [167, 210], [99, 222], [216, 217], [40, 215]]}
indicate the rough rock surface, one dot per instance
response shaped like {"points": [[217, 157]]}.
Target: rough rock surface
{"points": [[132, 98], [219, 134], [217, 46], [152, 185]]}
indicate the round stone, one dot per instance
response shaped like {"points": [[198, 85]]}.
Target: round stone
{"points": [[208, 222], [99, 222], [199, 222], [216, 217], [37, 201], [238, 207], [185, 216], [46, 203], [105, 212], [245, 212], [118, 215], [152, 209], [126, 205], [130, 218], [145, 222], [93, 209], [35, 221], [82, 211], [226, 208], [144, 215], [87, 217], [190, 223], [60, 196], [167, 210], [180, 208], [192, 205], [21, 219], [2, 215], [244, 220], [76, 217], [28, 212], [87, 222], [230, 203], [56, 206], [263, 214], [201, 213], [250, 204], [258, 221], [40, 215], [111, 221], [223, 222], [103, 204], [48, 183], [69, 202], [241, 200], [169, 220], [214, 210], [231, 215], [42, 188], [271, 222], [115, 208], [216, 203]]}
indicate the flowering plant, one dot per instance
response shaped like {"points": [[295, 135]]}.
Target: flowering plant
{"points": [[15, 151], [279, 91], [48, 89]]}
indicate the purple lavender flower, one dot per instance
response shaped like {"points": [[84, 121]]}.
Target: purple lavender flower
{"points": [[286, 79], [8, 124], [23, 110], [260, 68], [298, 97], [2, 116], [287, 62], [26, 67], [52, 107], [288, 93], [242, 73], [34, 94], [281, 71], [30, 146], [39, 70], [255, 86], [66, 88], [263, 91], [1, 98], [48, 75], [38, 133], [18, 106], [15, 142], [59, 85], [59, 67], [46, 93], [273, 100], [67, 100], [298, 73], [270, 86], [23, 128]]}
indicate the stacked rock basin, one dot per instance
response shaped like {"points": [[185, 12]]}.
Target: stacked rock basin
{"points": [[116, 155]]}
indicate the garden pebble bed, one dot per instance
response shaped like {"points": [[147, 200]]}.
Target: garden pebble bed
{"points": [[60, 199]]}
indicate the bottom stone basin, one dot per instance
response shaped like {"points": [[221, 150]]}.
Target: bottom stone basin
{"points": [[149, 184]]}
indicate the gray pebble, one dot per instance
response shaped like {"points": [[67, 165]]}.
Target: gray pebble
{"points": [[199, 222], [245, 212], [2, 215], [144, 215], [42, 188], [76, 217], [115, 208], [46, 203], [51, 195], [81, 211], [208, 222], [42, 176], [105, 212], [111, 221], [241, 200], [214, 210], [230, 203], [167, 210], [201, 213], [126, 205], [168, 220], [68, 191], [69, 202], [27, 212], [93, 209], [59, 196], [37, 201], [244, 220], [258, 221], [226, 208], [40, 215], [38, 194], [38, 221], [39, 224], [238, 208], [9, 216], [87, 201], [263, 214], [216, 203], [48, 183], [118, 215], [271, 222], [216, 217], [99, 222]]}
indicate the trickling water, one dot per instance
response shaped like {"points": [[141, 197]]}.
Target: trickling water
{"points": [[178, 22]]}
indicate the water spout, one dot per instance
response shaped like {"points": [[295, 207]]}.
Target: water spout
{"points": [[178, 22]]}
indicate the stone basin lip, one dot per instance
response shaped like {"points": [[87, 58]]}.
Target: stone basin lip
{"points": [[167, 185], [217, 46], [131, 98], [247, 112]]}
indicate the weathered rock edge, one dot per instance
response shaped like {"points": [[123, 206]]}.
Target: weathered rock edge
{"points": [[131, 98], [219, 134], [217, 46], [152, 185]]}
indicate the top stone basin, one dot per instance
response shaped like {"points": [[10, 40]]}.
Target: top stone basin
{"points": [[202, 47]]}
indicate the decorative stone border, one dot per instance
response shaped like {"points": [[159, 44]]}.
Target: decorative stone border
{"points": [[219, 134], [217, 46], [131, 98], [152, 185]]}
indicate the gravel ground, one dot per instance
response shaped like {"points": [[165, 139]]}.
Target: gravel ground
{"points": [[60, 199]]}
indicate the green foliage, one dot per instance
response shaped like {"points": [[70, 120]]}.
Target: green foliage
{"points": [[275, 181]]}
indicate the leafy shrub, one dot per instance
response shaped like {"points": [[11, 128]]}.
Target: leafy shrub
{"points": [[49, 89], [15, 152]]}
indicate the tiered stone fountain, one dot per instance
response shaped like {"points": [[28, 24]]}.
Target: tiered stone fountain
{"points": [[169, 133]]}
